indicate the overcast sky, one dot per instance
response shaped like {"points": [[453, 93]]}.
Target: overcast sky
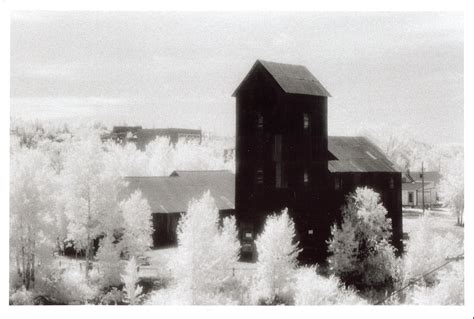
{"points": [[390, 71]]}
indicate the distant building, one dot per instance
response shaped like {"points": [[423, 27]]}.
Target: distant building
{"points": [[142, 137], [412, 189], [283, 159]]}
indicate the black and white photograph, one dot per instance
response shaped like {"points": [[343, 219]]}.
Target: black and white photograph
{"points": [[236, 158]]}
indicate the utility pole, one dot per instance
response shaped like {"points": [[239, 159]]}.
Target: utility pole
{"points": [[422, 188]]}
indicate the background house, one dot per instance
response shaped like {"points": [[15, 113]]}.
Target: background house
{"points": [[412, 193]]}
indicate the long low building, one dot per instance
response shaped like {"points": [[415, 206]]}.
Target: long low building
{"points": [[169, 196]]}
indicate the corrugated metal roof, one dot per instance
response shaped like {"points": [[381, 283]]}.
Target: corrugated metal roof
{"points": [[293, 79], [357, 154], [172, 194]]}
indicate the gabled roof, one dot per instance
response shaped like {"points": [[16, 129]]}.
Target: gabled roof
{"points": [[356, 154], [431, 176], [417, 186], [172, 194], [293, 79]]}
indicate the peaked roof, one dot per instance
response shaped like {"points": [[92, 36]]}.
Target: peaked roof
{"points": [[430, 176], [293, 79], [356, 154], [171, 194], [417, 186]]}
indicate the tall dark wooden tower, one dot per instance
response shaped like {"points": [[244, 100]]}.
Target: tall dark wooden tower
{"points": [[282, 151]]}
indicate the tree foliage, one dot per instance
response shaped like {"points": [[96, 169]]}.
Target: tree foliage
{"points": [[206, 252], [360, 252], [277, 252], [452, 188], [137, 226], [31, 220], [130, 280]]}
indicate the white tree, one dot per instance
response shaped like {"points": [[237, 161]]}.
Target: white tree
{"points": [[452, 187], [360, 251], [31, 220], [206, 253], [137, 225], [277, 252], [130, 281], [91, 195]]}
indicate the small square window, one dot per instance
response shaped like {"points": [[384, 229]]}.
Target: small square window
{"points": [[310, 232], [248, 235]]}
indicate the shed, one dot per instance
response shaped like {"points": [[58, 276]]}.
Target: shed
{"points": [[169, 196]]}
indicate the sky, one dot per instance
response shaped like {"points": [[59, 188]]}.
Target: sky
{"points": [[388, 72]]}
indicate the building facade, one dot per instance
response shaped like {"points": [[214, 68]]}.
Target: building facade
{"points": [[283, 159]]}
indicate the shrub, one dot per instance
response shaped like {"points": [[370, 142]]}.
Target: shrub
{"points": [[360, 253], [67, 286], [425, 251], [276, 263], [313, 289], [449, 290], [22, 297], [130, 279]]}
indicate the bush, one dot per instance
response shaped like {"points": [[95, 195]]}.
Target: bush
{"points": [[360, 253], [130, 279], [425, 251], [449, 290], [276, 263], [67, 286], [313, 289], [22, 297]]}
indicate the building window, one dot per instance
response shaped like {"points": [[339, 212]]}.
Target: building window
{"points": [[410, 197], [306, 177], [392, 183], [260, 121], [280, 180], [260, 175], [310, 232], [306, 121]]}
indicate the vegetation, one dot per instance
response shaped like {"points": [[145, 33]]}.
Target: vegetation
{"points": [[361, 254], [276, 264], [65, 192]]}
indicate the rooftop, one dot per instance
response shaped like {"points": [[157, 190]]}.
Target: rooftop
{"points": [[293, 79], [171, 194], [356, 154]]}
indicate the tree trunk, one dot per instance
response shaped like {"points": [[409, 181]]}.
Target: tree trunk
{"points": [[87, 256]]}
